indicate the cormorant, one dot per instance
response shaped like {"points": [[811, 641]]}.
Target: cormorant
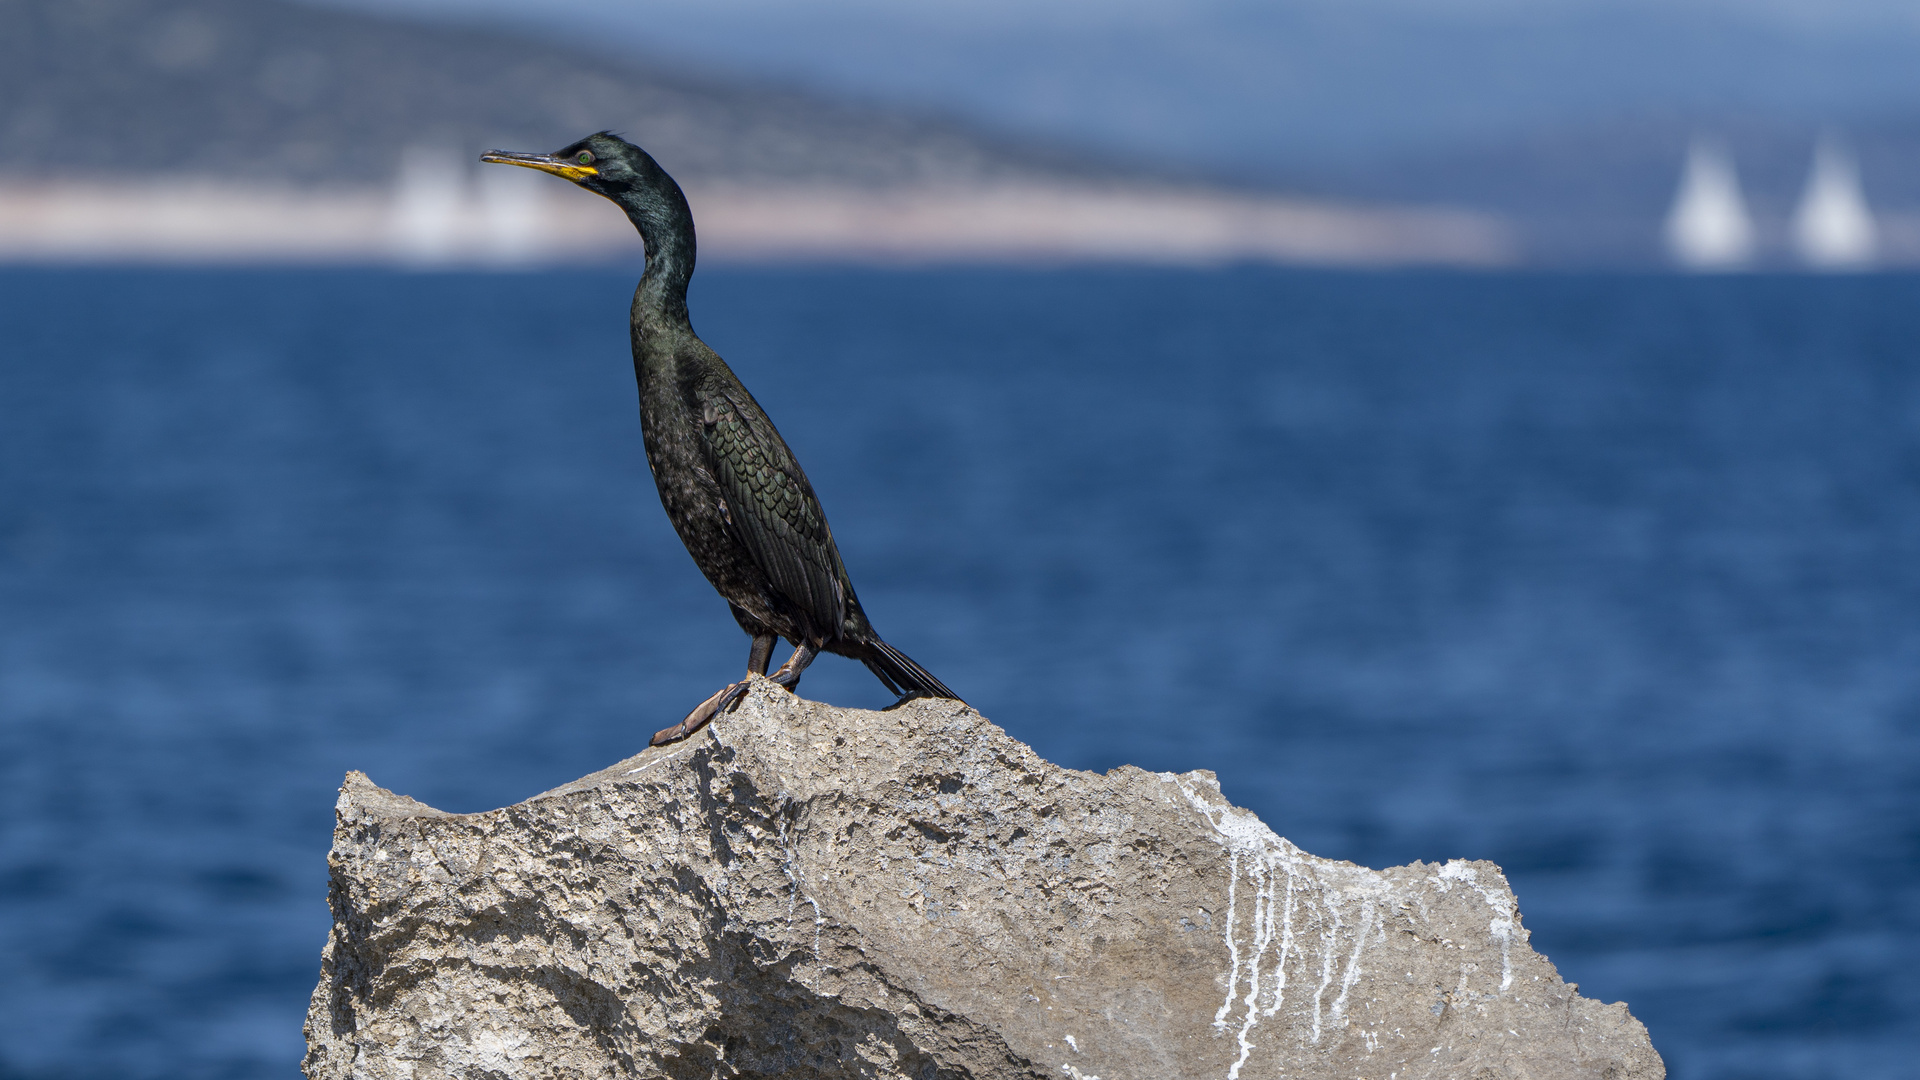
{"points": [[731, 487]]}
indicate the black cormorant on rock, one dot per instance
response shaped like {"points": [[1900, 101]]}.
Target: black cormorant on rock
{"points": [[733, 490]]}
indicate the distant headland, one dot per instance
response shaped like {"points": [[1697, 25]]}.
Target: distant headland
{"points": [[264, 131]]}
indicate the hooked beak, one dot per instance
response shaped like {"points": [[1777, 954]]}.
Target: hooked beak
{"points": [[544, 162]]}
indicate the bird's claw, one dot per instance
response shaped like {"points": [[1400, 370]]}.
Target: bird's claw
{"points": [[702, 713]]}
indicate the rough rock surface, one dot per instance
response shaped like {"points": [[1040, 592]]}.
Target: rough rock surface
{"points": [[803, 891]]}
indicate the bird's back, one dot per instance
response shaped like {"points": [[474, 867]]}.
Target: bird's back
{"points": [[766, 544]]}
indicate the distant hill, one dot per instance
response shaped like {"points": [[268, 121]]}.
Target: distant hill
{"points": [[249, 130], [269, 131], [1267, 87], [111, 95], [262, 90], [1568, 119]]}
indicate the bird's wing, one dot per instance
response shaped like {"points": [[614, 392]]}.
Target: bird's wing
{"points": [[771, 507]]}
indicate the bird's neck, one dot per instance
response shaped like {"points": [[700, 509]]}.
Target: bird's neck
{"points": [[666, 225]]}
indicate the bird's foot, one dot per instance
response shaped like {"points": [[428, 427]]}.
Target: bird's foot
{"points": [[723, 701], [789, 674]]}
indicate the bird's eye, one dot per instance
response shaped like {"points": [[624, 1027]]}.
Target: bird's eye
{"points": [[584, 157]]}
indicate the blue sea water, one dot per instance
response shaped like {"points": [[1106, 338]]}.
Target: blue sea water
{"points": [[1613, 580]]}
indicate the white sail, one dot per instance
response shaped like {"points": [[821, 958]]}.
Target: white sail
{"points": [[1833, 229], [1708, 228]]}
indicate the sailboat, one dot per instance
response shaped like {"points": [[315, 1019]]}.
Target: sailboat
{"points": [[1708, 227], [1833, 229]]}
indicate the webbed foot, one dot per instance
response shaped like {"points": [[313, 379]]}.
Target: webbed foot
{"points": [[702, 713]]}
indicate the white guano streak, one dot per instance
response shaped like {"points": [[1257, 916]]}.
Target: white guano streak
{"points": [[1366, 928], [1282, 878], [1233, 950], [1286, 947], [1262, 935], [1501, 926], [1329, 941]]}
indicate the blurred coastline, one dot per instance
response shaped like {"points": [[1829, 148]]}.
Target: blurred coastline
{"points": [[344, 131], [232, 131]]}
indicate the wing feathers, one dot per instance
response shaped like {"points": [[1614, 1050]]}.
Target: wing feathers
{"points": [[772, 508]]}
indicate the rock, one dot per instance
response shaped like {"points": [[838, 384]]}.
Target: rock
{"points": [[804, 891]]}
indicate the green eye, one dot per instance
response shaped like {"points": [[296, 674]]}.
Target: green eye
{"points": [[584, 157]]}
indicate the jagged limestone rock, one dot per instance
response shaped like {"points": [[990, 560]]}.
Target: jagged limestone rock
{"points": [[804, 891]]}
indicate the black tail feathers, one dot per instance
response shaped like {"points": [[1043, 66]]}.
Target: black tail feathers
{"points": [[902, 675]]}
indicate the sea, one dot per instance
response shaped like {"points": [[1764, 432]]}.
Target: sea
{"points": [[1612, 579]]}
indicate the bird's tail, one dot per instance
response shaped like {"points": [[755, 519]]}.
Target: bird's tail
{"points": [[899, 672]]}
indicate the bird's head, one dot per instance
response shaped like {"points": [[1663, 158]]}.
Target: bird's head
{"points": [[610, 166], [604, 163]]}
